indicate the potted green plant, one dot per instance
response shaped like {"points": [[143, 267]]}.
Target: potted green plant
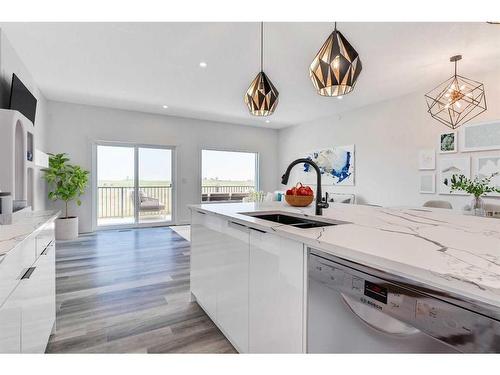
{"points": [[67, 182], [477, 187]]}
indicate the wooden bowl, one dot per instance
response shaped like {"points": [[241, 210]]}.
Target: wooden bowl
{"points": [[299, 200]]}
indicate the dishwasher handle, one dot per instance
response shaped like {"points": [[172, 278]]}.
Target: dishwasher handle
{"points": [[378, 320]]}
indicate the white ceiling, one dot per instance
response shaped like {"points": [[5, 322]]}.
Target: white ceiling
{"points": [[142, 66]]}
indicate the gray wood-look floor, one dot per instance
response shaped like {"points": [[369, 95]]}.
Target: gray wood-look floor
{"points": [[128, 292]]}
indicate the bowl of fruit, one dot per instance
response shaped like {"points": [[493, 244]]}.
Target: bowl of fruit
{"points": [[299, 196]]}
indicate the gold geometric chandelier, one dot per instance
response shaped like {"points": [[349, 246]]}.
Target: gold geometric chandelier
{"points": [[336, 67], [456, 100], [261, 97]]}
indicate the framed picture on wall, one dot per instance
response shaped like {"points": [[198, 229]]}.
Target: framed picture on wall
{"points": [[427, 183], [427, 159], [448, 143], [480, 137], [486, 166], [447, 168], [337, 165]]}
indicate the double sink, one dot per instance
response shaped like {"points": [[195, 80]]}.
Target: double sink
{"points": [[294, 221]]}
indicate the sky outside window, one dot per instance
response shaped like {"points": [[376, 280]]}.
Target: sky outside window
{"points": [[228, 165], [116, 165]]}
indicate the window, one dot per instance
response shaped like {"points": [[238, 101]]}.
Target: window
{"points": [[228, 175]]}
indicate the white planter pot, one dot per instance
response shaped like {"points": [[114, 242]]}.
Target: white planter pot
{"points": [[67, 229]]}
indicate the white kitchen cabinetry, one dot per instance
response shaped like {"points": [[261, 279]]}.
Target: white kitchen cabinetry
{"points": [[27, 294], [232, 285], [219, 274], [250, 283], [276, 294]]}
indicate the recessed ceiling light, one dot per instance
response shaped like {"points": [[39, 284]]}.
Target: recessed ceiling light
{"points": [[339, 97], [165, 106], [268, 121], [203, 64]]}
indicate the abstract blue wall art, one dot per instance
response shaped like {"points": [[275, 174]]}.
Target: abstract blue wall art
{"points": [[336, 164]]}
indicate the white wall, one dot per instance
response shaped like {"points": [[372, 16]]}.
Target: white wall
{"points": [[387, 136], [11, 63], [74, 127]]}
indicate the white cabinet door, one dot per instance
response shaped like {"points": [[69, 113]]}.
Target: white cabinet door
{"points": [[232, 288], [206, 241], [13, 265], [276, 297], [10, 328], [39, 309]]}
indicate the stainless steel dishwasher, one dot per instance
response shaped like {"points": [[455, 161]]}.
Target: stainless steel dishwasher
{"points": [[356, 309]]}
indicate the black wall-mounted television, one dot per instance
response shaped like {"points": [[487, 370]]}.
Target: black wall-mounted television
{"points": [[22, 99]]}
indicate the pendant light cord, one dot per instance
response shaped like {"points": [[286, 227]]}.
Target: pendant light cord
{"points": [[455, 67], [262, 46], [335, 27]]}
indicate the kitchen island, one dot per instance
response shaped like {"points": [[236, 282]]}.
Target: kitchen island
{"points": [[250, 275]]}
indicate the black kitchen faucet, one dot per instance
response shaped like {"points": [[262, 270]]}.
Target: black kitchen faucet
{"points": [[319, 203]]}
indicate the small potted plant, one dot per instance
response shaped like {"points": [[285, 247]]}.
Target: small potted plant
{"points": [[477, 187], [66, 183]]}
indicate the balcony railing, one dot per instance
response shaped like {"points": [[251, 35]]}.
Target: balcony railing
{"points": [[118, 201], [220, 193]]}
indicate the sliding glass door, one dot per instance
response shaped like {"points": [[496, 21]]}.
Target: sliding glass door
{"points": [[155, 185], [115, 185], [134, 185]]}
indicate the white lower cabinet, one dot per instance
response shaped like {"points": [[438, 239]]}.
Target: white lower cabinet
{"points": [[276, 294], [28, 311], [232, 285], [250, 283], [219, 274]]}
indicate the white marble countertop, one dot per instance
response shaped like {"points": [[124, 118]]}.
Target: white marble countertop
{"points": [[439, 248], [13, 234]]}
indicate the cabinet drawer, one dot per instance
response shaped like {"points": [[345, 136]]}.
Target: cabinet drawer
{"points": [[13, 265]]}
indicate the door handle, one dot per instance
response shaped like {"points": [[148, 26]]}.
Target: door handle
{"points": [[258, 230], [28, 273], [237, 226]]}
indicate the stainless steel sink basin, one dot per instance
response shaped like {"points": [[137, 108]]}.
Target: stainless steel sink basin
{"points": [[298, 221]]}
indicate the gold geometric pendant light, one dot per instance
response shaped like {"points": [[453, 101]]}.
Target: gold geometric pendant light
{"points": [[456, 100], [336, 67], [261, 97]]}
